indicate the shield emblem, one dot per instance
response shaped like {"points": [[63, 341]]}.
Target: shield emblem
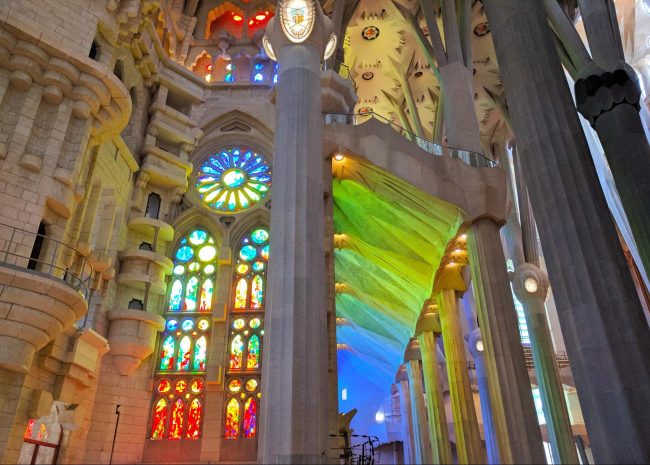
{"points": [[297, 18]]}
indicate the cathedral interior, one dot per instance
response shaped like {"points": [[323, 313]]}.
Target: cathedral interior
{"points": [[336, 231]]}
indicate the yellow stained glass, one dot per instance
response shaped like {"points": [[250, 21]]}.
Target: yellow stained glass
{"points": [[240, 293]]}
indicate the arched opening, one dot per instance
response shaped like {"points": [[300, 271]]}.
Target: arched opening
{"points": [[153, 206], [37, 247]]}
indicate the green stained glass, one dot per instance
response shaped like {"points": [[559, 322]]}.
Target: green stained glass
{"points": [[167, 353], [198, 237], [248, 252], [209, 269], [179, 270], [252, 358], [184, 356], [206, 296], [190, 294], [184, 253], [233, 180], [194, 266], [176, 295], [260, 236], [255, 323], [207, 253], [200, 348]]}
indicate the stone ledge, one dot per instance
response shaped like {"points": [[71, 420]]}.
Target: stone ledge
{"points": [[132, 336]]}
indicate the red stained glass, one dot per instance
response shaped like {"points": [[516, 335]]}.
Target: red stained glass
{"points": [[232, 419], [28, 431], [194, 419], [163, 386], [197, 385], [236, 352], [178, 418], [161, 409], [250, 418], [180, 387]]}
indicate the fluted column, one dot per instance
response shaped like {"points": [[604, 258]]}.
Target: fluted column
{"points": [[294, 417], [413, 362], [427, 330], [468, 437], [531, 287], [515, 421], [408, 436], [606, 335]]}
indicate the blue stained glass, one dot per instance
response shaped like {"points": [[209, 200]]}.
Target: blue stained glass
{"points": [[198, 237], [184, 253], [187, 325], [248, 252], [260, 236], [172, 325], [229, 78], [258, 77], [259, 66]]}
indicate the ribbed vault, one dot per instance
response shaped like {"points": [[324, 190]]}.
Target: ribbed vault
{"points": [[389, 240]]}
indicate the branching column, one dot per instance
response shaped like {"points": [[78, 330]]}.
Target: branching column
{"points": [[412, 360], [604, 328], [531, 287], [515, 421], [427, 330], [468, 437]]}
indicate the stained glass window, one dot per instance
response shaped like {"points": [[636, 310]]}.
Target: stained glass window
{"points": [[233, 180], [246, 334], [178, 400]]}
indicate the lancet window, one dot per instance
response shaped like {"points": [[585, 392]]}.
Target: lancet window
{"points": [[246, 326], [178, 398]]}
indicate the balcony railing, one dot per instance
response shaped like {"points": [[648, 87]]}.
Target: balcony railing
{"points": [[26, 250]]}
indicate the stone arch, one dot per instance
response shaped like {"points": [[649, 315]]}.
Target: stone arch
{"points": [[249, 220], [195, 218]]}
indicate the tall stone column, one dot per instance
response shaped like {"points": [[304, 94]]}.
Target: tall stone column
{"points": [[294, 419], [605, 332], [408, 436], [428, 330], [515, 421], [475, 347], [531, 288], [468, 437], [413, 362]]}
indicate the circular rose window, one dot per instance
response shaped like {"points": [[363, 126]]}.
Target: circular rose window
{"points": [[233, 180]]}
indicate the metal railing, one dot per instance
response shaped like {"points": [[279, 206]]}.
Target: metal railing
{"points": [[364, 453], [21, 249], [561, 359], [474, 159]]}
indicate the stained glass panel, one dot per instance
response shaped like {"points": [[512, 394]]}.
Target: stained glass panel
{"points": [[248, 252], [176, 295], [232, 419], [178, 418], [236, 352], [167, 353], [240, 293], [180, 387], [194, 419], [197, 385], [250, 418], [233, 180], [190, 294], [206, 295], [160, 412], [200, 347], [184, 356], [184, 253], [252, 357], [251, 385], [257, 292], [163, 386]]}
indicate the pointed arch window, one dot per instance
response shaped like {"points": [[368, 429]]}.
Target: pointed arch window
{"points": [[245, 346], [178, 398]]}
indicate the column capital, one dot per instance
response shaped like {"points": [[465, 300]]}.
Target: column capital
{"points": [[412, 351], [402, 374], [530, 282], [429, 320]]}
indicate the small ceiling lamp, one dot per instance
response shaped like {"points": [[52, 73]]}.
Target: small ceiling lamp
{"points": [[297, 18], [268, 48], [479, 345], [530, 284], [330, 48], [339, 157]]}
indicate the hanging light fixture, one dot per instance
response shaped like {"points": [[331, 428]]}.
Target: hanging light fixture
{"points": [[330, 48], [297, 18]]}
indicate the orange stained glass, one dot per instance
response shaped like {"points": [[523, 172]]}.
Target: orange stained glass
{"points": [[180, 387], [160, 413], [178, 418], [163, 386], [28, 430], [194, 419], [232, 419], [240, 293], [197, 385], [236, 352]]}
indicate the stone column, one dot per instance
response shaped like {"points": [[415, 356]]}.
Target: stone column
{"points": [[531, 288], [408, 437], [475, 347], [604, 328], [413, 362], [427, 330], [468, 438], [515, 421], [294, 421]]}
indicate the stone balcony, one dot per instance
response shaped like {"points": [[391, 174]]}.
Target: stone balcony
{"points": [[143, 267], [132, 337]]}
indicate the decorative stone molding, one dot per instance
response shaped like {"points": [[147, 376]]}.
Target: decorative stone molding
{"points": [[429, 320], [412, 351], [165, 169], [599, 93], [147, 226], [142, 267], [35, 310], [132, 336]]}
